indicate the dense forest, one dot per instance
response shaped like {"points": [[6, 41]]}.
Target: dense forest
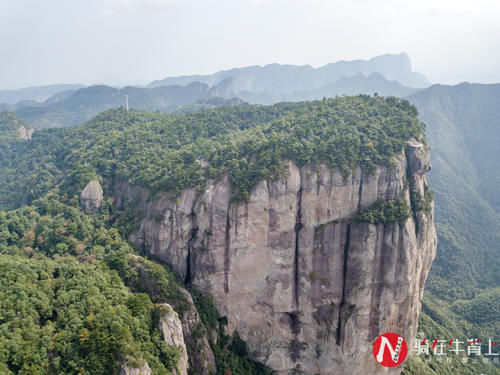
{"points": [[64, 305]]}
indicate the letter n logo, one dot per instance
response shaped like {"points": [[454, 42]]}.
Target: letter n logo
{"points": [[390, 349]]}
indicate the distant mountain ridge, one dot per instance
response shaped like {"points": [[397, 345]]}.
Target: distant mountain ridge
{"points": [[285, 79], [71, 105], [74, 108], [36, 94]]}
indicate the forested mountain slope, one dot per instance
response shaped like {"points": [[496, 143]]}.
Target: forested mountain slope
{"points": [[76, 107], [463, 129], [463, 125]]}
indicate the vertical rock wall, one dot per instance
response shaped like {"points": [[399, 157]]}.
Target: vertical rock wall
{"points": [[308, 289]]}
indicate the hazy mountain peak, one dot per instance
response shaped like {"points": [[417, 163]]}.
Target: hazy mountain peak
{"points": [[278, 79], [38, 93]]}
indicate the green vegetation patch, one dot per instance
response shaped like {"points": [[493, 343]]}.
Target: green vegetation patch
{"points": [[71, 299], [392, 211], [61, 316]]}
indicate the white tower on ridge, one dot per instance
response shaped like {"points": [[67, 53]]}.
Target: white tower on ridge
{"points": [[126, 102]]}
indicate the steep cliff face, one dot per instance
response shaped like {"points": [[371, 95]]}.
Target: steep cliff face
{"points": [[308, 288], [171, 330], [201, 357], [195, 344]]}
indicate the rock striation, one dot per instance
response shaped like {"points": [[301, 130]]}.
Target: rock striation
{"points": [[305, 286]]}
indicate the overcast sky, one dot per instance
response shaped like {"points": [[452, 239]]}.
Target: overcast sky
{"points": [[133, 41]]}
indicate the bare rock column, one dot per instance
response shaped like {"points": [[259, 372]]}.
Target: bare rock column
{"points": [[171, 329], [91, 196]]}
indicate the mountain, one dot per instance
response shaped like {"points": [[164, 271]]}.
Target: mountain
{"points": [[287, 79], [36, 94], [13, 131], [190, 190], [352, 85], [463, 128], [463, 123], [70, 108], [12, 128], [302, 230], [70, 105], [357, 84], [303, 257]]}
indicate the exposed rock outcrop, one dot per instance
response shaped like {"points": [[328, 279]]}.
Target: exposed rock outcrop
{"points": [[196, 337], [307, 288], [227, 89], [171, 329], [418, 157], [144, 370], [201, 357], [25, 133], [91, 196]]}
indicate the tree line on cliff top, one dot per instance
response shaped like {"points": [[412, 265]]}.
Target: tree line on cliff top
{"points": [[164, 152]]}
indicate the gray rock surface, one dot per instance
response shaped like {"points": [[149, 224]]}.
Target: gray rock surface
{"points": [[171, 329], [25, 133], [144, 370], [305, 287], [91, 196], [201, 357], [196, 337]]}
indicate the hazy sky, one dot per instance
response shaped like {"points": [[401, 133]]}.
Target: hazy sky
{"points": [[120, 41]]}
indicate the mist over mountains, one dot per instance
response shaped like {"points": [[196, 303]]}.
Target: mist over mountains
{"points": [[36, 94], [70, 105], [285, 79]]}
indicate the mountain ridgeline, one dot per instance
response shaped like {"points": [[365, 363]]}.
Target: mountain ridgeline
{"points": [[77, 106], [309, 225], [35, 94], [286, 79], [387, 75]]}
